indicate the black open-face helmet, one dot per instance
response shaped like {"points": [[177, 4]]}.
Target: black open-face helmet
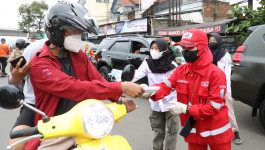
{"points": [[68, 16], [20, 43]]}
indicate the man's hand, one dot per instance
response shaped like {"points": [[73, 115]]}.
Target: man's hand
{"points": [[132, 89], [18, 74], [130, 105], [177, 108], [145, 95]]}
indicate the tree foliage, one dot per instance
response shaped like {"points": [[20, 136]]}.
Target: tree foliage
{"points": [[32, 16], [246, 17]]}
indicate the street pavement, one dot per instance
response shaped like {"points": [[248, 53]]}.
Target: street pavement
{"points": [[135, 127]]}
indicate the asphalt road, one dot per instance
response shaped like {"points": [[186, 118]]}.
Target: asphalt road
{"points": [[135, 127]]}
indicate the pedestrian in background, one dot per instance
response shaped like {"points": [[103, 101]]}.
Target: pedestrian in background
{"points": [[4, 52], [201, 88], [222, 59], [175, 49], [18, 51], [157, 68]]}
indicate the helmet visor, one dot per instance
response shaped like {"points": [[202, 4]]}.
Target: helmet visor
{"points": [[72, 30]]}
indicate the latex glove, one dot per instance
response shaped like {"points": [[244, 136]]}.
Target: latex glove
{"points": [[145, 95], [177, 108]]}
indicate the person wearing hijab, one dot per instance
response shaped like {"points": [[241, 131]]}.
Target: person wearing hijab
{"points": [[157, 68], [222, 59], [200, 87]]}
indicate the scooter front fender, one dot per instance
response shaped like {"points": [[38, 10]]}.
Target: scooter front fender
{"points": [[107, 143]]}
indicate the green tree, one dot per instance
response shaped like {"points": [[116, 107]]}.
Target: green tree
{"points": [[246, 17], [32, 16]]}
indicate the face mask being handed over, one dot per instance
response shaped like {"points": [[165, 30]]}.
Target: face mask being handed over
{"points": [[155, 54], [190, 56], [73, 43]]}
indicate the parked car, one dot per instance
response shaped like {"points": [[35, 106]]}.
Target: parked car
{"points": [[117, 51], [248, 78]]}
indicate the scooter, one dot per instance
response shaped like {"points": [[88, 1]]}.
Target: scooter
{"points": [[83, 122]]}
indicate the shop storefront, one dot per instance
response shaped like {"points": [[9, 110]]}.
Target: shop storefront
{"points": [[229, 41]]}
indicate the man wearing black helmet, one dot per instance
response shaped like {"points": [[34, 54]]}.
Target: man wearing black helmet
{"points": [[61, 74], [20, 44]]}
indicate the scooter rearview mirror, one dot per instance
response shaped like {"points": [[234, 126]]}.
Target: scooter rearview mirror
{"points": [[128, 73], [10, 97]]}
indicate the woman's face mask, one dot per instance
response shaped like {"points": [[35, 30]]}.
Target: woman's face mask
{"points": [[213, 45], [155, 54], [73, 43], [190, 56]]}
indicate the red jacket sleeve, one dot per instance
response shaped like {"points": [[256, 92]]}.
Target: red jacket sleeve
{"points": [[215, 100], [165, 87], [46, 76]]}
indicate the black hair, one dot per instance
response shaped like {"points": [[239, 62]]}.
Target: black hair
{"points": [[168, 36]]}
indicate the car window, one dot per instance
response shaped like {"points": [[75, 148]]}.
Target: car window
{"points": [[136, 46], [120, 46]]}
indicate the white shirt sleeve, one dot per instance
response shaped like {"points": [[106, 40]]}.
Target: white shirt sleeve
{"points": [[32, 49], [141, 71], [227, 70]]}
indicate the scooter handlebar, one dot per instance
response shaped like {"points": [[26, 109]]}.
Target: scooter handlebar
{"points": [[24, 132]]}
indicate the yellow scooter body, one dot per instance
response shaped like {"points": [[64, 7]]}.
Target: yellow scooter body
{"points": [[107, 143], [70, 124]]}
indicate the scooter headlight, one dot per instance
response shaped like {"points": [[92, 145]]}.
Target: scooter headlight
{"points": [[98, 120]]}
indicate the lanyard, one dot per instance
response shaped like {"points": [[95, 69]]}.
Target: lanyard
{"points": [[190, 99]]}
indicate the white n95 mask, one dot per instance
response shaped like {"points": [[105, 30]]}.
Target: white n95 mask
{"points": [[73, 43], [155, 54]]}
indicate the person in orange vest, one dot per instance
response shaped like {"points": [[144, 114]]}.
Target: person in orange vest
{"points": [[90, 54], [4, 52]]}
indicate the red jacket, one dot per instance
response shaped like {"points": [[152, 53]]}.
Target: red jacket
{"points": [[203, 85], [50, 83]]}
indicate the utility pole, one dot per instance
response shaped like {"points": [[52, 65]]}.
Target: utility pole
{"points": [[169, 13], [250, 4], [173, 16], [140, 6], [178, 14]]}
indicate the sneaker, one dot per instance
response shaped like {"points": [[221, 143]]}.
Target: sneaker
{"points": [[237, 140], [4, 73]]}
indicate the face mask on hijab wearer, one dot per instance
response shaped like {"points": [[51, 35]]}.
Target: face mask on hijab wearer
{"points": [[190, 56], [73, 43], [155, 54], [213, 45]]}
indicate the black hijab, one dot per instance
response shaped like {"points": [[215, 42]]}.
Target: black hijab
{"points": [[217, 52], [164, 63]]}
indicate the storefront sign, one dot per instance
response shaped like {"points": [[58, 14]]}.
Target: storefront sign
{"points": [[119, 27], [218, 28], [139, 25]]}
